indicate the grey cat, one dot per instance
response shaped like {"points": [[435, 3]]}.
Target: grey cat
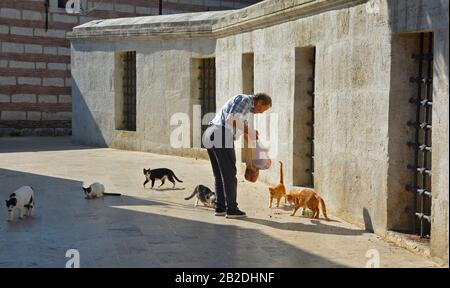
{"points": [[205, 195]]}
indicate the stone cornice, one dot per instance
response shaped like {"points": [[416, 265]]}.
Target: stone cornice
{"points": [[207, 24]]}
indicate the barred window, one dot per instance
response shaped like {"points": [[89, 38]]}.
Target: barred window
{"points": [[129, 91], [207, 86], [125, 91], [62, 3]]}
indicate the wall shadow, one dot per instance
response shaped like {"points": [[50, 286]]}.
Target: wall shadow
{"points": [[318, 226], [85, 129], [37, 144], [122, 232], [367, 221]]}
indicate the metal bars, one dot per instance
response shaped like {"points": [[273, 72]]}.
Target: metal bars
{"points": [[207, 87], [129, 91], [311, 108], [421, 168]]}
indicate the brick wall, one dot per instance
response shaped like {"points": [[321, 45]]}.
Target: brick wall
{"points": [[35, 83]]}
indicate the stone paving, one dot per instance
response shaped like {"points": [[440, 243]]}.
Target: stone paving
{"points": [[158, 228]]}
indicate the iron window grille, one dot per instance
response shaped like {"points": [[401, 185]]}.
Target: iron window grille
{"points": [[129, 91], [207, 87], [62, 4], [311, 108], [421, 167]]}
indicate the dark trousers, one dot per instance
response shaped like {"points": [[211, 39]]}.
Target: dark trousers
{"points": [[223, 162]]}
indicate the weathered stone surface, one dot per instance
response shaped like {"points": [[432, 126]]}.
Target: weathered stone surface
{"points": [[179, 24], [5, 98], [51, 50], [65, 98], [64, 18], [21, 64], [12, 47], [55, 82], [26, 98], [23, 31], [359, 139], [48, 99], [57, 66], [13, 115], [4, 29], [34, 116], [10, 13], [29, 80], [7, 80], [158, 228], [56, 115], [31, 15], [32, 48], [41, 65]]}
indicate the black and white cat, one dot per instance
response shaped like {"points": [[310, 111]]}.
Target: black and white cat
{"points": [[22, 199], [160, 174], [96, 190], [205, 195]]}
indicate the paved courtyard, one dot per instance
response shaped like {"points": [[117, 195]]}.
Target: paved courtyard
{"points": [[158, 228]]}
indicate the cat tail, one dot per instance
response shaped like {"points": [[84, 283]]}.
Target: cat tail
{"points": [[173, 174], [281, 172], [192, 195], [324, 208], [111, 194]]}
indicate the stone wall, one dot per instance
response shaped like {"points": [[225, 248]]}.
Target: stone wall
{"points": [[35, 78], [352, 102], [433, 16], [158, 62], [360, 93]]}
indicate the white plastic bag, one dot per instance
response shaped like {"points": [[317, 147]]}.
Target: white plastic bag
{"points": [[261, 158]]}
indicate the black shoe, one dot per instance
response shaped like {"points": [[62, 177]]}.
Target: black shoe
{"points": [[236, 214], [219, 212]]}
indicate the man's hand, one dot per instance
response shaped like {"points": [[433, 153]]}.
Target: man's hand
{"points": [[251, 136], [248, 132], [254, 135]]}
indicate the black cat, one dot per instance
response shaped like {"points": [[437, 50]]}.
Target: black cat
{"points": [[161, 174]]}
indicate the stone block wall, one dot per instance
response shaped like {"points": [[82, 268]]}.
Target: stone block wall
{"points": [[35, 76], [362, 91]]}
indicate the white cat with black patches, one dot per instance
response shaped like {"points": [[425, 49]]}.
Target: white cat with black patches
{"points": [[96, 190], [204, 195], [23, 200]]}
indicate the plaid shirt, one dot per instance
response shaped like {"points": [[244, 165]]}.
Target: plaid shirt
{"points": [[239, 106]]}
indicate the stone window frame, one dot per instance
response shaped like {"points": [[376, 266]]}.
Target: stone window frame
{"points": [[120, 97], [54, 6], [60, 2]]}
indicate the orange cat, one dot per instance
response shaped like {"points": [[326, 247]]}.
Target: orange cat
{"points": [[278, 191], [307, 198]]}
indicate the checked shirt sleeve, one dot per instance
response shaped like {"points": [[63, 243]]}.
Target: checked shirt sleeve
{"points": [[240, 108]]}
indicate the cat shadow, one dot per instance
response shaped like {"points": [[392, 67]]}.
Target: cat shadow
{"points": [[167, 189], [317, 227], [284, 207], [288, 208], [185, 206]]}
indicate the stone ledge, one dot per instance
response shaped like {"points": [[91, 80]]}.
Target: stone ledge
{"points": [[148, 25], [205, 24], [13, 132], [409, 242], [32, 124]]}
